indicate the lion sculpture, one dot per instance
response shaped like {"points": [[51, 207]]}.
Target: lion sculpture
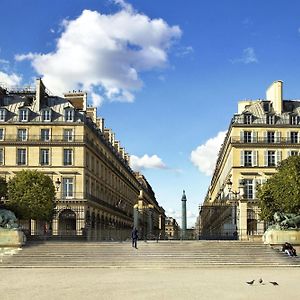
{"points": [[287, 221], [8, 219]]}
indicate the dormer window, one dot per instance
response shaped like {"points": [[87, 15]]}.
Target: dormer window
{"points": [[23, 115], [294, 120], [2, 115], [248, 119], [69, 114], [271, 119], [46, 115]]}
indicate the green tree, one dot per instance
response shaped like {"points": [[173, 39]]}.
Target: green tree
{"points": [[31, 195], [281, 192], [3, 188]]}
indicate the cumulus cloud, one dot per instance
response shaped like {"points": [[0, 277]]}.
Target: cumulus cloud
{"points": [[10, 79], [146, 162], [105, 51], [248, 57], [204, 156]]}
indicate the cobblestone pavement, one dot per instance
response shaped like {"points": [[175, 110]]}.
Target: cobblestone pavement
{"points": [[202, 283]]}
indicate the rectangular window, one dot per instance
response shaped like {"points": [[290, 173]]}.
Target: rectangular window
{"points": [[294, 120], [294, 153], [271, 119], [248, 188], [68, 187], [2, 115], [247, 136], [69, 115], [45, 135], [68, 135], [294, 137], [23, 115], [270, 137], [248, 158], [68, 157], [1, 134], [1, 156], [247, 119], [44, 157], [271, 159], [22, 134], [46, 115], [21, 157]]}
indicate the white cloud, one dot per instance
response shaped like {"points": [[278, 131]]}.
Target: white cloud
{"points": [[183, 51], [248, 57], [106, 52], [10, 79], [204, 156], [96, 100], [146, 162]]}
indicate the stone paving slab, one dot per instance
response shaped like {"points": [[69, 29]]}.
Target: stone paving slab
{"points": [[110, 284]]}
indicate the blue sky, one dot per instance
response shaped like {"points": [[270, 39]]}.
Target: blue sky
{"points": [[166, 75]]}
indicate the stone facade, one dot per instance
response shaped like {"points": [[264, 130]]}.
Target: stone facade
{"points": [[66, 140]]}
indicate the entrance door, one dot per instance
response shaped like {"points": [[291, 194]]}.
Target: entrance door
{"points": [[67, 223]]}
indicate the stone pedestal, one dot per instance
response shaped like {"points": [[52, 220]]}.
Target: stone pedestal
{"points": [[279, 237], [12, 238]]}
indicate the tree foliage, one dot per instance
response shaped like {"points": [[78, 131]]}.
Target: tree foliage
{"points": [[31, 195], [3, 188], [281, 192]]}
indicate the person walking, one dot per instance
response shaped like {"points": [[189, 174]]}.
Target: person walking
{"points": [[134, 237]]}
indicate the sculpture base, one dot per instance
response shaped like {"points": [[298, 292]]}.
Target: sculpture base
{"points": [[12, 238], [276, 237]]}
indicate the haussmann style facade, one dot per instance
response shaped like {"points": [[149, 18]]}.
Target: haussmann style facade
{"points": [[98, 195], [260, 135]]}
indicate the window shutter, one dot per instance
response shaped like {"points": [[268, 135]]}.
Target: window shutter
{"points": [[254, 136], [254, 156], [242, 158], [298, 141], [278, 157], [242, 136], [288, 136], [265, 136], [277, 136], [266, 158]]}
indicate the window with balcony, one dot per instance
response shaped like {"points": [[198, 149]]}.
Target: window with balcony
{"points": [[271, 158], [21, 156], [68, 188], [247, 137], [23, 115], [68, 157], [293, 153], [248, 188], [45, 135], [44, 157], [46, 115], [68, 135], [271, 137], [294, 137], [3, 115], [248, 158], [22, 134]]}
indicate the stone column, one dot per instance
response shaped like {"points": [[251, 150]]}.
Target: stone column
{"points": [[242, 228], [183, 227]]}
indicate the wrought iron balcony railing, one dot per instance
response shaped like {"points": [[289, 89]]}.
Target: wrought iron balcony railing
{"points": [[263, 140]]}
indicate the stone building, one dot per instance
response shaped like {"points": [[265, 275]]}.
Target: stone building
{"points": [[172, 229], [260, 135], [65, 139]]}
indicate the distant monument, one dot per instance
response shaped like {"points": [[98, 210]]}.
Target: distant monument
{"points": [[183, 222], [286, 228], [10, 233]]}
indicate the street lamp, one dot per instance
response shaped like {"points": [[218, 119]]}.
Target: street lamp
{"points": [[240, 188], [57, 184]]}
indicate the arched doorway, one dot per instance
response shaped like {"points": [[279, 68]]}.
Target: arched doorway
{"points": [[67, 222]]}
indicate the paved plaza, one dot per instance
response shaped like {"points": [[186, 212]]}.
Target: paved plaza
{"points": [[201, 283]]}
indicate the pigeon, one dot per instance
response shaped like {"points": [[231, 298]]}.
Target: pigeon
{"points": [[250, 282], [274, 282], [261, 281]]}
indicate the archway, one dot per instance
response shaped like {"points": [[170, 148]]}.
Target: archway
{"points": [[67, 222]]}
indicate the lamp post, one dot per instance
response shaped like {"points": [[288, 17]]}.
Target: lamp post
{"points": [[57, 184]]}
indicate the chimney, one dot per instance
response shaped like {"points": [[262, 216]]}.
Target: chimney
{"points": [[78, 99], [274, 94], [40, 93], [100, 124]]}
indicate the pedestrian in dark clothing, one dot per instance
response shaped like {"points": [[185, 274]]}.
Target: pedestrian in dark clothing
{"points": [[134, 237], [289, 249]]}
